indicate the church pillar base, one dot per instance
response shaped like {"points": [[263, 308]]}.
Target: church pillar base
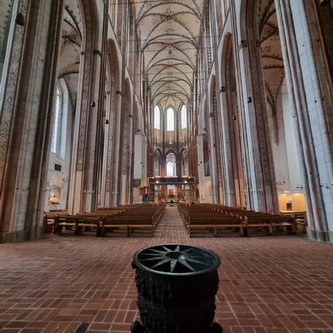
{"points": [[319, 235], [21, 235]]}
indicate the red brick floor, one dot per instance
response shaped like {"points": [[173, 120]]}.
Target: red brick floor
{"points": [[274, 284]]}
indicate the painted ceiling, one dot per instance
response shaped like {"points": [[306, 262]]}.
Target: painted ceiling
{"points": [[170, 36]]}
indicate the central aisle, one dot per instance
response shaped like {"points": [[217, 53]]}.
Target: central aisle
{"points": [[171, 227]]}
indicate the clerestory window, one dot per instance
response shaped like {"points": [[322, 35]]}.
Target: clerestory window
{"points": [[157, 117], [170, 119], [183, 117], [60, 111], [56, 122]]}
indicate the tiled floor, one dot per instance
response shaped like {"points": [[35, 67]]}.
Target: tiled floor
{"points": [[274, 284]]}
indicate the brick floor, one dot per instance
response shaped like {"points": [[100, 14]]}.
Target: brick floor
{"points": [[71, 284]]}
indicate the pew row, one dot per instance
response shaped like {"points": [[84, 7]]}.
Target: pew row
{"points": [[198, 219], [49, 219], [139, 222], [212, 217], [125, 222]]}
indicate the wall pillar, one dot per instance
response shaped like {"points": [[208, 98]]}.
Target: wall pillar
{"points": [[116, 157], [27, 89], [89, 116], [201, 171], [213, 158], [310, 119], [262, 193]]}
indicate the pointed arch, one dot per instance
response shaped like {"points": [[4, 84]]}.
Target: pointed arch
{"points": [[183, 117], [170, 118], [171, 161], [232, 130]]}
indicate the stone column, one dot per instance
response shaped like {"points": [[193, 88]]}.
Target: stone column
{"points": [[125, 110], [125, 146], [213, 158], [107, 156], [201, 171], [84, 177], [164, 192], [116, 157], [262, 193], [27, 89], [306, 99], [130, 160]]}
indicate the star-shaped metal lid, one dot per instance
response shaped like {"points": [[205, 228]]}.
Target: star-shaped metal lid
{"points": [[176, 259]]}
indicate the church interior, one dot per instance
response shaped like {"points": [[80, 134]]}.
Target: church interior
{"points": [[142, 122]]}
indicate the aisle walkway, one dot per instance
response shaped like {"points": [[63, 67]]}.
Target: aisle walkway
{"points": [[86, 284]]}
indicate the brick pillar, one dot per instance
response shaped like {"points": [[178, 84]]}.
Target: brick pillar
{"points": [[88, 118], [262, 193], [25, 117], [312, 110]]}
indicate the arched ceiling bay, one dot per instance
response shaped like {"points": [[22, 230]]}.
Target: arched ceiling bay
{"points": [[170, 35], [70, 49], [272, 59], [271, 50]]}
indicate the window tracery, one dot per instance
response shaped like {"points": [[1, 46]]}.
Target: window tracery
{"points": [[171, 164]]}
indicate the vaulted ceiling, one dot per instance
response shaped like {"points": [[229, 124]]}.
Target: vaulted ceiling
{"points": [[70, 50], [170, 35], [271, 51]]}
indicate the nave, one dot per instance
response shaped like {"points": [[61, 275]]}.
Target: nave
{"points": [[67, 283], [107, 102]]}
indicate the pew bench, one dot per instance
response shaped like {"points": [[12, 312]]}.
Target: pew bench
{"points": [[215, 225], [198, 218], [77, 223], [49, 219], [141, 220], [300, 219], [267, 221], [128, 224]]}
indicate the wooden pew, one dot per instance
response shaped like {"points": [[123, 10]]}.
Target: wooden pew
{"points": [[154, 213], [130, 218], [199, 218], [300, 219], [250, 219], [49, 218], [118, 208], [265, 220], [143, 219], [228, 210], [115, 224], [256, 219], [77, 223]]}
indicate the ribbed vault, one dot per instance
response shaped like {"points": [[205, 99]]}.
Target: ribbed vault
{"points": [[170, 34]]}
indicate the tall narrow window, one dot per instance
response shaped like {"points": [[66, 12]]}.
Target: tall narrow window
{"points": [[157, 170], [157, 117], [183, 116], [60, 111], [170, 119], [56, 123], [171, 164]]}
